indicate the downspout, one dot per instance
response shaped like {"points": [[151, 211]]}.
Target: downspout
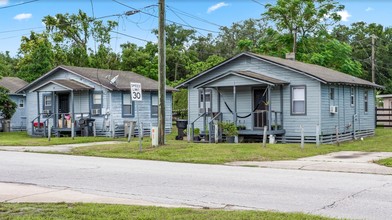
{"points": [[269, 108], [235, 110], [205, 112]]}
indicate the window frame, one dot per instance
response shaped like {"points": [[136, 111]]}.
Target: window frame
{"points": [[201, 105], [292, 100], [153, 115], [352, 96], [125, 115], [21, 101], [366, 101], [96, 106], [332, 93]]}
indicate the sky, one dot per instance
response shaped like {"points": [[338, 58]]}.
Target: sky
{"points": [[19, 17]]}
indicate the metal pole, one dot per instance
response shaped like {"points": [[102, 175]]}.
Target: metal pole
{"points": [[302, 137], [73, 116], [49, 130], [140, 129], [317, 135], [162, 73], [265, 136]]}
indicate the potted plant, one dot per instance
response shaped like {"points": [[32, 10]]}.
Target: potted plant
{"points": [[230, 130], [7, 109], [196, 133]]}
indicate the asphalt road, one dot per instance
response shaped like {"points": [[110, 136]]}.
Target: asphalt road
{"points": [[344, 195]]}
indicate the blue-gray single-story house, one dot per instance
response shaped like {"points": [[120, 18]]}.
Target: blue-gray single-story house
{"points": [[67, 94], [254, 91], [13, 84]]}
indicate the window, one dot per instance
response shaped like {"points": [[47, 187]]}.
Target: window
{"points": [[21, 103], [352, 96], [47, 101], [298, 102], [365, 97], [154, 105], [332, 93], [127, 105], [208, 100], [97, 104]]}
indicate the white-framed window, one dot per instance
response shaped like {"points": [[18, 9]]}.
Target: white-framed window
{"points": [[352, 96], [208, 100], [21, 103], [154, 105], [366, 100], [298, 100], [127, 105], [97, 104]]}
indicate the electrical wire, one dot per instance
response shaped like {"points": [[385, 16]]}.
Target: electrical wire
{"points": [[22, 3]]}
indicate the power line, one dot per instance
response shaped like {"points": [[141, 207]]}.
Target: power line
{"points": [[22, 3], [255, 1], [174, 22], [183, 20], [116, 32], [192, 16], [24, 29]]}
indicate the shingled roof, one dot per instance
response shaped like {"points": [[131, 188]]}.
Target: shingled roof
{"points": [[322, 74], [104, 76], [13, 84]]}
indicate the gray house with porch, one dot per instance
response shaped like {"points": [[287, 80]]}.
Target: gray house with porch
{"points": [[288, 97], [67, 96], [13, 84]]}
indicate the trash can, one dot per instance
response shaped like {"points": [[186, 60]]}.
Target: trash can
{"points": [[129, 126], [6, 124], [86, 126], [181, 124]]}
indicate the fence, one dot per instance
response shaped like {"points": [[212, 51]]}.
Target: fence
{"points": [[384, 117]]}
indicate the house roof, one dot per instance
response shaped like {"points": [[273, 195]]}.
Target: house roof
{"points": [[249, 75], [13, 84], [104, 76], [322, 74], [67, 84]]}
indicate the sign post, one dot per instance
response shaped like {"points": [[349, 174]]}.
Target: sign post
{"points": [[136, 95]]}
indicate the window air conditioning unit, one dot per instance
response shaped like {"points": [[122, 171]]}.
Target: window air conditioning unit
{"points": [[333, 109], [96, 111]]}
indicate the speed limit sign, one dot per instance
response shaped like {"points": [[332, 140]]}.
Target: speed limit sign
{"points": [[136, 91]]}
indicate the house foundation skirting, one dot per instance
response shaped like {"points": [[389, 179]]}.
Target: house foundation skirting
{"points": [[326, 139]]}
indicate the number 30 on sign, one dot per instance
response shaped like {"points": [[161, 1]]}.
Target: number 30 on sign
{"points": [[136, 91]]}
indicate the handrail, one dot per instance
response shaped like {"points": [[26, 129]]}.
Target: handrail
{"points": [[210, 125], [193, 125]]}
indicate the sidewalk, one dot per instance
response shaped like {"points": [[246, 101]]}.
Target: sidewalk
{"points": [[16, 193], [343, 161], [64, 148]]}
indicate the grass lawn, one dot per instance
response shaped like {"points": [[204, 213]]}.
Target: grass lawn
{"points": [[181, 151], [117, 212], [385, 162], [22, 139]]}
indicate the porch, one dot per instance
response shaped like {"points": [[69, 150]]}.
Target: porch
{"points": [[251, 101]]}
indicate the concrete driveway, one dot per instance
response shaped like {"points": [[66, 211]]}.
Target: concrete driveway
{"points": [[343, 161]]}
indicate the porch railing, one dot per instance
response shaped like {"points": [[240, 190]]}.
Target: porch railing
{"points": [[217, 117], [193, 126]]}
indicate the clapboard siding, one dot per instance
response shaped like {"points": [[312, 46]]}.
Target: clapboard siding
{"points": [[18, 120], [292, 123], [112, 117]]}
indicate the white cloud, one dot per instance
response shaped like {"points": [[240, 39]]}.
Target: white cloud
{"points": [[369, 9], [216, 7], [344, 14], [23, 16], [3, 2]]}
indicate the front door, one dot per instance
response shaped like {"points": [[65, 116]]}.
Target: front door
{"points": [[63, 103], [260, 107]]}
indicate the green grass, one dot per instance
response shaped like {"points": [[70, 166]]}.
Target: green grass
{"points": [[28, 211], [23, 139], [385, 162], [181, 151]]}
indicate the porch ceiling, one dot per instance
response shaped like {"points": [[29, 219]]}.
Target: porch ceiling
{"points": [[241, 78], [62, 85]]}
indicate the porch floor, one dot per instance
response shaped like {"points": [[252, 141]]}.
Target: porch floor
{"points": [[260, 132]]}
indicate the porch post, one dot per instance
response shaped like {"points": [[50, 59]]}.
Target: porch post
{"points": [[205, 111], [39, 110], [219, 99], [54, 111], [90, 104], [235, 110], [73, 115], [269, 108]]}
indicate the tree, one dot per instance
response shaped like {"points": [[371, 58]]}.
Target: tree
{"points": [[7, 64], [71, 33], [303, 16], [7, 106], [36, 56]]}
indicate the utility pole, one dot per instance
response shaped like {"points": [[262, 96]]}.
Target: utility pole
{"points": [[373, 59], [162, 73]]}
